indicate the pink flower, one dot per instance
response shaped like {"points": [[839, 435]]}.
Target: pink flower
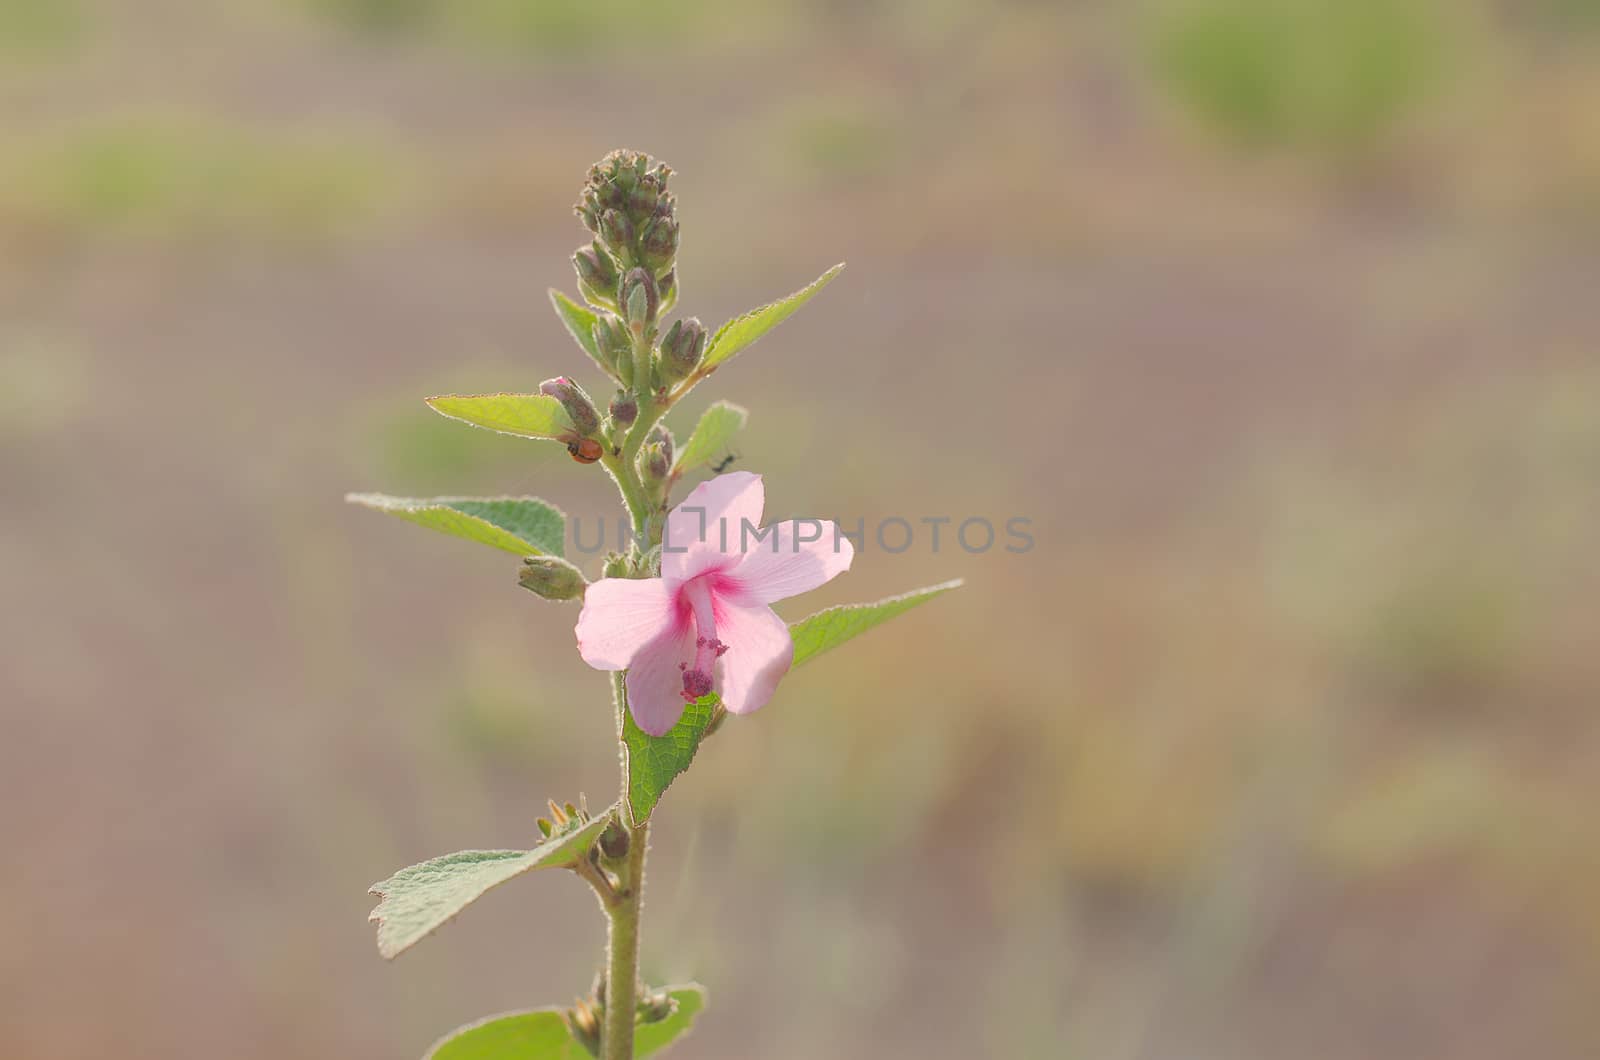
{"points": [[705, 624]]}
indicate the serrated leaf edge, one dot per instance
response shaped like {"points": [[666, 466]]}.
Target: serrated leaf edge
{"points": [[585, 342], [678, 465], [926, 593], [500, 394], [589, 832], [422, 504], [712, 362]]}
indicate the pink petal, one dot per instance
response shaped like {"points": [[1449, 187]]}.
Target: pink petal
{"points": [[759, 653], [620, 616], [703, 532], [655, 680], [781, 565]]}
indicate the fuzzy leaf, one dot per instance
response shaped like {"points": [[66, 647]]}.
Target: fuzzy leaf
{"points": [[654, 762], [832, 626], [741, 331], [418, 899], [524, 525], [540, 1034], [579, 321], [525, 415], [716, 429]]}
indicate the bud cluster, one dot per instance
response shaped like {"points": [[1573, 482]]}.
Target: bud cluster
{"points": [[626, 203], [628, 271]]}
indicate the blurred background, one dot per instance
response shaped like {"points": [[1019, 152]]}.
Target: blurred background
{"points": [[1278, 319]]}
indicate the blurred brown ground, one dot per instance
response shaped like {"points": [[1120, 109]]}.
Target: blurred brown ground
{"points": [[1281, 743]]}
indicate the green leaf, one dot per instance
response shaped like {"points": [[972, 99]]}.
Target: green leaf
{"points": [[418, 899], [580, 321], [541, 1034], [711, 436], [833, 626], [525, 415], [741, 331], [524, 525], [654, 762]]}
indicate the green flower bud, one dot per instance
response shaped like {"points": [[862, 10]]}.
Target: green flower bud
{"points": [[583, 1022], [617, 231], [681, 350], [658, 243], [668, 287], [576, 402], [646, 195], [552, 578], [658, 454], [612, 342], [624, 409], [655, 1006], [640, 300], [614, 841], [597, 275]]}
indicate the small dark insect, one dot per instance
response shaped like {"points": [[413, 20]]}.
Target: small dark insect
{"points": [[584, 450], [722, 465]]}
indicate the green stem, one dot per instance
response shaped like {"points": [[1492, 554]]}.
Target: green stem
{"points": [[623, 904], [621, 470], [622, 953]]}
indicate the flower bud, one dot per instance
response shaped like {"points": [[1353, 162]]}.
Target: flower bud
{"points": [[639, 299], [624, 409], [655, 1006], [583, 1022], [658, 243], [597, 275], [575, 401], [614, 841], [645, 195], [612, 343], [627, 182], [667, 285], [552, 578], [617, 231], [658, 454], [681, 350]]}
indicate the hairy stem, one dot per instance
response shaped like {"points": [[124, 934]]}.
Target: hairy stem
{"points": [[622, 953], [622, 473]]}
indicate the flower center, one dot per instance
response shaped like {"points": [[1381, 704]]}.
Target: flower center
{"points": [[698, 680]]}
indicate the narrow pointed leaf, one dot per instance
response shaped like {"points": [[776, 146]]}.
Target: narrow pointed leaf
{"points": [[418, 899], [541, 1034], [525, 415], [741, 331], [525, 525], [579, 321], [833, 626], [654, 762], [711, 436]]}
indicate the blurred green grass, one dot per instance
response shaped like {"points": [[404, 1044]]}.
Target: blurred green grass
{"points": [[190, 176], [1336, 77]]}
